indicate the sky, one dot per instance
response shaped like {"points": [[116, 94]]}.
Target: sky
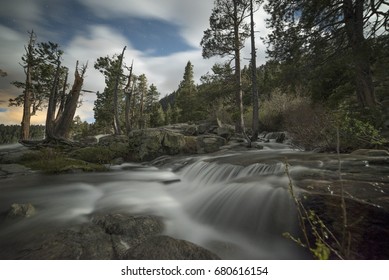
{"points": [[161, 36]]}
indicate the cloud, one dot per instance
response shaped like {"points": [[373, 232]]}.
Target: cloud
{"points": [[104, 35]]}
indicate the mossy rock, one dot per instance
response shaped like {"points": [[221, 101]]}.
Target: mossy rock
{"points": [[52, 161], [101, 155]]}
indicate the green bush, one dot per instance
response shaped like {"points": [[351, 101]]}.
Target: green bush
{"points": [[272, 111], [315, 127]]}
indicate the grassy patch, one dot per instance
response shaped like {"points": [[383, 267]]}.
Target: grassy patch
{"points": [[99, 155], [53, 161]]}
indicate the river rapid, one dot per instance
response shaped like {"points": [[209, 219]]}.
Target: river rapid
{"points": [[236, 204]]}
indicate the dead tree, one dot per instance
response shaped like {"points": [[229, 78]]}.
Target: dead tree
{"points": [[59, 128]]}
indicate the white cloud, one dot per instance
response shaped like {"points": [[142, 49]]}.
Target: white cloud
{"points": [[92, 41]]}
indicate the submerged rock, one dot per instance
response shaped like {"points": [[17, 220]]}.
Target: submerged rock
{"points": [[21, 211]]}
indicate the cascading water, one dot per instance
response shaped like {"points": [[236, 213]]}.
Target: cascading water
{"points": [[239, 212]]}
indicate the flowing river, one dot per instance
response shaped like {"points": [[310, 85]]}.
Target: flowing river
{"points": [[236, 204]]}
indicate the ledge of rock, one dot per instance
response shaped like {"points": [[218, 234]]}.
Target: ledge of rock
{"points": [[168, 248]]}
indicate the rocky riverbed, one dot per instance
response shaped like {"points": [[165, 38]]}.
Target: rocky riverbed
{"points": [[220, 170]]}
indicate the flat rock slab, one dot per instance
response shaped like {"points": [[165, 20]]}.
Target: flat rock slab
{"points": [[13, 169]]}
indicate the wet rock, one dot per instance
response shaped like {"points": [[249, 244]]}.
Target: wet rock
{"points": [[278, 137], [21, 211], [13, 170], [89, 242], [127, 231], [168, 248], [130, 226]]}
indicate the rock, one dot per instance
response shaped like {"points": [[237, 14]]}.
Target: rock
{"points": [[89, 242], [146, 144], [256, 145], [191, 130], [209, 144], [224, 132], [89, 140], [371, 153], [21, 211], [278, 137], [106, 236], [203, 128], [168, 248], [109, 139], [14, 169], [149, 144], [127, 231], [133, 227], [173, 143]]}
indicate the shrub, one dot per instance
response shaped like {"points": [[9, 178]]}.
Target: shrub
{"points": [[272, 111], [314, 127]]}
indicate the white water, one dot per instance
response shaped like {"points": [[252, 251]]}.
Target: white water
{"points": [[237, 212]]}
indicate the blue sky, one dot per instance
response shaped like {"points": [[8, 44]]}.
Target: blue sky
{"points": [[161, 36]]}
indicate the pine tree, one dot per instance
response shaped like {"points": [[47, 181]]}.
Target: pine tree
{"points": [[104, 105], [225, 37], [186, 95]]}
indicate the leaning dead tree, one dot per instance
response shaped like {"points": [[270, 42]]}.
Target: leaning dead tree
{"points": [[116, 122], [58, 127], [128, 90], [25, 125]]}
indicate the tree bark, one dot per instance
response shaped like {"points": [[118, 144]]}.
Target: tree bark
{"points": [[239, 123], [354, 22], [128, 93], [116, 121], [255, 125], [62, 127], [50, 123], [26, 119]]}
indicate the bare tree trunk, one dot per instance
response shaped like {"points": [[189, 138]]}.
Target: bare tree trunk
{"points": [[141, 109], [50, 122], [128, 93], [25, 124], [62, 128], [239, 123], [63, 98], [116, 122], [255, 125], [354, 22]]}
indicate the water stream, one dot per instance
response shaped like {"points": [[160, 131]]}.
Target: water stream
{"points": [[237, 210]]}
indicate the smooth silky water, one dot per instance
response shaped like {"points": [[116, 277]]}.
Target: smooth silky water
{"points": [[237, 211]]}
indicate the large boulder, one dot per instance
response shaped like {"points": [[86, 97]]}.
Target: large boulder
{"points": [[89, 242], [146, 144], [168, 248], [209, 143], [105, 237], [127, 231], [149, 144], [225, 132]]}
